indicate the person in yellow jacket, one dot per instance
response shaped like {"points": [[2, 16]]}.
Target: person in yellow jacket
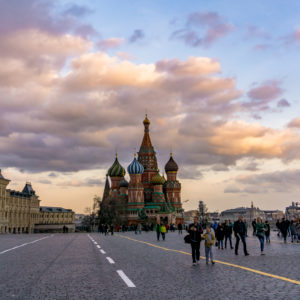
{"points": [[163, 231], [209, 238]]}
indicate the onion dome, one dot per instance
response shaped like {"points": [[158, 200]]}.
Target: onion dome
{"points": [[146, 121], [116, 170], [135, 167], [171, 165], [123, 183], [157, 179]]}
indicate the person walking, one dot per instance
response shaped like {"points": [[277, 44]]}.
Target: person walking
{"points": [[239, 229], [254, 226], [195, 231], [294, 235], [209, 238], [220, 235], [284, 228], [163, 231], [228, 233], [268, 232], [179, 228], [260, 233], [158, 230]]}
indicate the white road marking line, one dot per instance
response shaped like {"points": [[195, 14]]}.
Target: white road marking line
{"points": [[110, 260], [102, 251], [98, 246], [125, 278], [16, 247]]}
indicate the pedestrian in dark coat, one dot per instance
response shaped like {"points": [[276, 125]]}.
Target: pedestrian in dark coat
{"points": [[220, 234], [284, 225], [195, 231], [228, 233], [239, 229]]}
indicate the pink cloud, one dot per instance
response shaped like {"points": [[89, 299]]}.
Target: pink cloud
{"points": [[192, 66], [110, 43], [267, 91], [295, 123]]}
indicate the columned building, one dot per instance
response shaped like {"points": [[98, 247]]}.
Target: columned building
{"points": [[20, 211]]}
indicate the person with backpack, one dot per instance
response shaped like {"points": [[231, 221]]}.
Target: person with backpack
{"points": [[195, 231]]}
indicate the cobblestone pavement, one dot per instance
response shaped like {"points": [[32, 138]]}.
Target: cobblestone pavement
{"points": [[86, 266]]}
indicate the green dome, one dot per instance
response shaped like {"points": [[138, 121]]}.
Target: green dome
{"points": [[157, 179], [116, 170]]}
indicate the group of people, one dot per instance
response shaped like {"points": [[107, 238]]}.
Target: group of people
{"points": [[217, 233], [289, 228]]}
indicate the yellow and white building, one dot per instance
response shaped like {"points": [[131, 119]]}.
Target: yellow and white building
{"points": [[20, 212]]}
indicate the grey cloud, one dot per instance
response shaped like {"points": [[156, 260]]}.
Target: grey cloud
{"points": [[215, 26], [283, 103], [137, 35], [78, 10]]}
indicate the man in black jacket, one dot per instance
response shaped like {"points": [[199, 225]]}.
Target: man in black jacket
{"points": [[239, 229], [195, 231], [284, 225]]}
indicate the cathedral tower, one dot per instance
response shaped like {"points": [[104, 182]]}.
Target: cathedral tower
{"points": [[172, 185], [135, 188], [147, 157]]}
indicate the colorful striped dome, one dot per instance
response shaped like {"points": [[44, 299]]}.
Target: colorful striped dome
{"points": [[157, 179], [116, 170], [171, 165], [135, 167]]}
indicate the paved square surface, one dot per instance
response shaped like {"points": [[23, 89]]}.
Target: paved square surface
{"points": [[130, 266]]}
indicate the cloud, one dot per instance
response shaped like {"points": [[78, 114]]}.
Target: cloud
{"points": [[215, 27], [78, 10], [137, 35], [220, 167], [279, 181], [263, 94], [110, 43], [60, 94], [81, 183], [35, 14], [283, 103], [192, 66], [295, 123], [256, 32]]}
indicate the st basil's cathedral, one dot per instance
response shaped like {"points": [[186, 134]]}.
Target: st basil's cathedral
{"points": [[148, 197]]}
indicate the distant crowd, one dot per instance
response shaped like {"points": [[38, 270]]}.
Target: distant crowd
{"points": [[216, 234]]}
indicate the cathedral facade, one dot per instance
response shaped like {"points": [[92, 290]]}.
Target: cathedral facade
{"points": [[148, 197]]}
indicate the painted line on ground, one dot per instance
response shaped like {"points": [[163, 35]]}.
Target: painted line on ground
{"points": [[110, 260], [25, 244], [102, 251], [125, 278], [98, 246], [217, 261]]}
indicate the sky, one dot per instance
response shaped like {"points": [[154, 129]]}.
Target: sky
{"points": [[218, 79]]}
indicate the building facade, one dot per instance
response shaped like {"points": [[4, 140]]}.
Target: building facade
{"points": [[20, 212], [148, 196], [54, 219]]}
